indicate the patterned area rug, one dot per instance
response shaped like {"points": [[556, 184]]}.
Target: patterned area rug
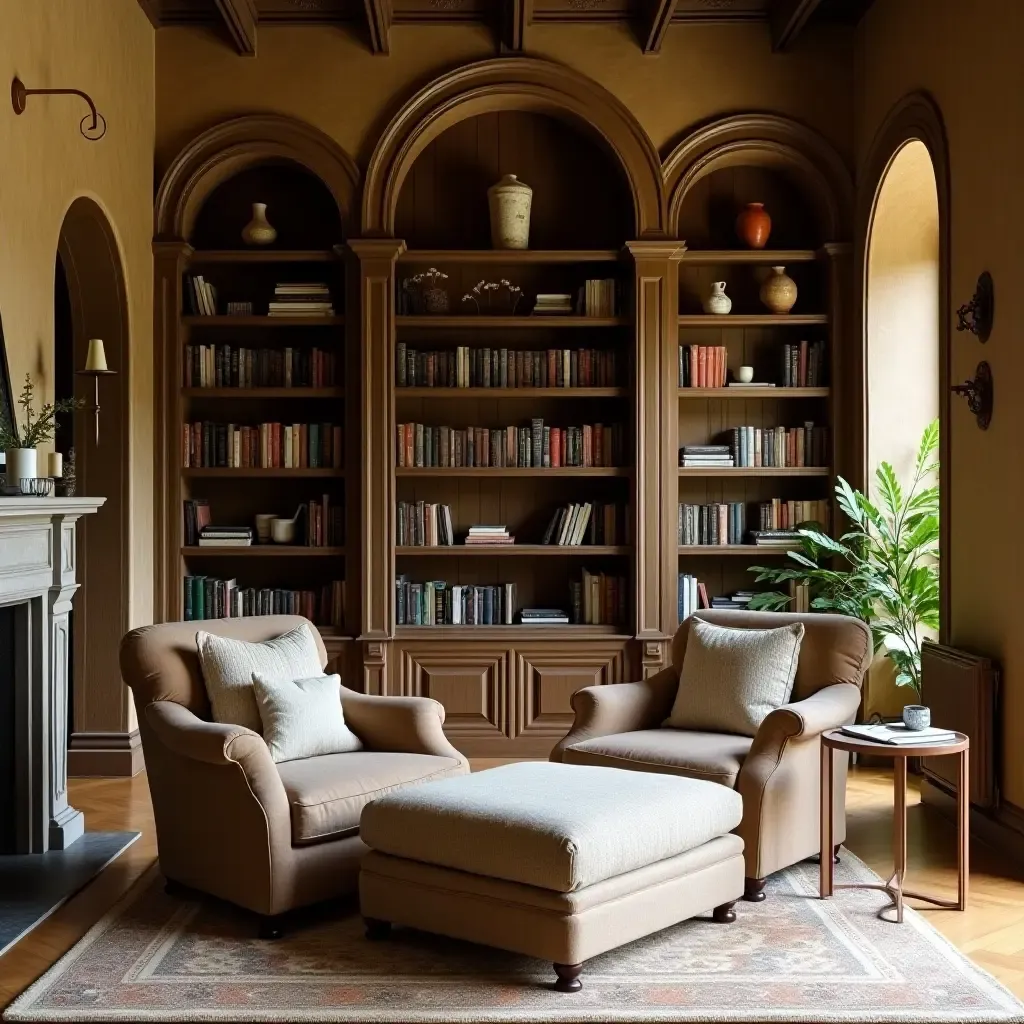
{"points": [[792, 958]]}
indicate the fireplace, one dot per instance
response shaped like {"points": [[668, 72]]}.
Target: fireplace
{"points": [[7, 752]]}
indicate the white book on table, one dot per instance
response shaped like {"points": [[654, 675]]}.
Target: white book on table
{"points": [[897, 734]]}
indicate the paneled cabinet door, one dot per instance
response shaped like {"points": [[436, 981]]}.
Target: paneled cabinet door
{"points": [[471, 680]]}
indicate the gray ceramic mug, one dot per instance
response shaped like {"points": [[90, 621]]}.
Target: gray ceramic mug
{"points": [[917, 717]]}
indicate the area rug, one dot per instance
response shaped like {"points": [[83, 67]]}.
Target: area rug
{"points": [[791, 958]]}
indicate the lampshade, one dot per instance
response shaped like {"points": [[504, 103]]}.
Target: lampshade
{"points": [[96, 360]]}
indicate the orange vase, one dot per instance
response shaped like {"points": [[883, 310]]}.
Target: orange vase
{"points": [[753, 225]]}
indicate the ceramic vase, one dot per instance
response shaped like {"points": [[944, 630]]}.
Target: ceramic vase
{"points": [[917, 717], [779, 291], [435, 300], [510, 201], [21, 465], [717, 301], [259, 231], [753, 225]]}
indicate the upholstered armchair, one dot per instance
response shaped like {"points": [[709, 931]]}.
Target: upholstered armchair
{"points": [[232, 823], [777, 772]]}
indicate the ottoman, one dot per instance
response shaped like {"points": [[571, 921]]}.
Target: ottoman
{"points": [[556, 861]]}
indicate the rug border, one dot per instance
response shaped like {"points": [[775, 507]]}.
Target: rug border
{"points": [[16, 1010]]}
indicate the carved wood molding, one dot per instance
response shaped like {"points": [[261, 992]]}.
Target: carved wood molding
{"points": [[512, 83], [378, 24], [766, 140], [655, 24], [240, 17], [516, 15], [151, 9], [225, 149], [787, 19]]}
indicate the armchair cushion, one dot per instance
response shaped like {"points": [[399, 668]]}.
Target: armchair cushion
{"points": [[327, 794], [732, 679], [714, 757]]}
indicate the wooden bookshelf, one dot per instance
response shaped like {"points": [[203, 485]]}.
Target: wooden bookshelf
{"points": [[262, 394], [748, 257], [735, 550], [263, 551], [259, 472], [533, 323], [455, 394], [731, 320], [515, 551], [746, 394], [513, 472], [205, 257], [510, 257], [263, 322], [754, 471]]}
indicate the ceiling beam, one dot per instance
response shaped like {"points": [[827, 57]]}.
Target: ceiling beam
{"points": [[240, 19], [151, 9], [515, 16], [787, 19], [655, 24], [378, 22]]}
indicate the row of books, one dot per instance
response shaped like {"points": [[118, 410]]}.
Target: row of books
{"points": [[780, 446], [303, 299], [206, 597], [786, 514], [703, 366], [465, 367], [588, 522], [324, 521], [691, 595], [803, 364], [263, 446], [706, 456], [200, 296], [423, 524], [438, 603], [599, 599], [537, 446], [716, 523], [599, 297], [231, 366]]}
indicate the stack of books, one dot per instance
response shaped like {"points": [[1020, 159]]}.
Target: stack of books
{"points": [[543, 617], [225, 537], [597, 297], [739, 599], [488, 535], [775, 538], [750, 384], [197, 517], [706, 456], [897, 734], [423, 524], [553, 303], [803, 364], [301, 299]]}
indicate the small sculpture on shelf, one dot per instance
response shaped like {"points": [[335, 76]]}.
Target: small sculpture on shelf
{"points": [[425, 292], [779, 291], [494, 298], [66, 483], [510, 201], [753, 225], [717, 302], [259, 231]]}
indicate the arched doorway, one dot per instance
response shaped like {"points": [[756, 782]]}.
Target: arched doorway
{"points": [[90, 302]]}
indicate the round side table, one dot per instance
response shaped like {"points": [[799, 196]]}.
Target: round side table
{"points": [[833, 740]]}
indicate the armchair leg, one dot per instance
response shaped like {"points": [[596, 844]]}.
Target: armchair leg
{"points": [[568, 977], [835, 853], [753, 889], [270, 926], [724, 914]]}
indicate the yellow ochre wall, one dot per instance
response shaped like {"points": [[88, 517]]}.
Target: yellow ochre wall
{"points": [[106, 48], [967, 55]]}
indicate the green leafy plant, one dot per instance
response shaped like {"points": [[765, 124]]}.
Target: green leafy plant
{"points": [[36, 427], [885, 569]]}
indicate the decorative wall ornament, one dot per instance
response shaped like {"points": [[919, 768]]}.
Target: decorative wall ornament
{"points": [[93, 126], [977, 315], [979, 394]]}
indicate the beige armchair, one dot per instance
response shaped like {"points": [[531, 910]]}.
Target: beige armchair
{"points": [[777, 772], [232, 823]]}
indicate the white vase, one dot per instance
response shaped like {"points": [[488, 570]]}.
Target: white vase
{"points": [[779, 291], [259, 231], [717, 301], [510, 201], [21, 465]]}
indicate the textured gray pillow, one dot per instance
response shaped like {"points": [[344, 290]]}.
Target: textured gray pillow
{"points": [[732, 679], [228, 666], [303, 718]]}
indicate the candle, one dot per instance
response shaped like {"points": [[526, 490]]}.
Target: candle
{"points": [[96, 360], [55, 464]]}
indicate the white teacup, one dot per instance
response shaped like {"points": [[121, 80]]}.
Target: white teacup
{"points": [[745, 374], [917, 717]]}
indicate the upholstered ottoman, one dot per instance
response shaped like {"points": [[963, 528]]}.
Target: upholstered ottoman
{"points": [[556, 861]]}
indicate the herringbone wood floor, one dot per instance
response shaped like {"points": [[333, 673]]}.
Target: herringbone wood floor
{"points": [[991, 931]]}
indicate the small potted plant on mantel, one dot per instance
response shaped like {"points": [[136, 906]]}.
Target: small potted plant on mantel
{"points": [[19, 442]]}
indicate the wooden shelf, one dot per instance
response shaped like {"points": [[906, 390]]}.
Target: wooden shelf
{"points": [[255, 393], [332, 633], [262, 551], [510, 256], [739, 471], [521, 632], [691, 394], [205, 256], [262, 321], [509, 550], [771, 257], [736, 549], [260, 472], [752, 320], [504, 393], [499, 472], [543, 323]]}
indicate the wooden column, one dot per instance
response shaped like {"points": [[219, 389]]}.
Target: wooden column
{"points": [[656, 297], [376, 304], [846, 367]]}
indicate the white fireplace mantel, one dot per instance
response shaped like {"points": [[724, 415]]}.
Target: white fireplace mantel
{"points": [[38, 556]]}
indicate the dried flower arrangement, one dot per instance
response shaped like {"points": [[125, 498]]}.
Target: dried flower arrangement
{"points": [[426, 291], [497, 298]]}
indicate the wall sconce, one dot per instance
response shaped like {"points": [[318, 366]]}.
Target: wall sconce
{"points": [[97, 124], [977, 315], [978, 393], [96, 367]]}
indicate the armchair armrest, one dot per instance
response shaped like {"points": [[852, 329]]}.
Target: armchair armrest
{"points": [[398, 725], [620, 707], [829, 708]]}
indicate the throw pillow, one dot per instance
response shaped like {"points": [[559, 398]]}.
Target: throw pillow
{"points": [[732, 679], [228, 666], [304, 717]]}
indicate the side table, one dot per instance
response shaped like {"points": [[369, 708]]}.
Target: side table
{"points": [[833, 740]]}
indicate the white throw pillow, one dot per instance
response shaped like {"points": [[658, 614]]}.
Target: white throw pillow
{"points": [[303, 717], [732, 679], [228, 666]]}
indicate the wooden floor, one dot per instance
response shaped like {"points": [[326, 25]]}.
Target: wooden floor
{"points": [[991, 931]]}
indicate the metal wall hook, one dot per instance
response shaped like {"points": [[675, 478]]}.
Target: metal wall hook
{"points": [[93, 126], [979, 394], [977, 315]]}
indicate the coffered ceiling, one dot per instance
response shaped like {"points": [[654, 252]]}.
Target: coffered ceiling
{"points": [[238, 21]]}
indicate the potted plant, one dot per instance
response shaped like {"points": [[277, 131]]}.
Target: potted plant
{"points": [[19, 442], [884, 570]]}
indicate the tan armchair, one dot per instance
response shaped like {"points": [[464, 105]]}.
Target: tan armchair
{"points": [[777, 772], [232, 823]]}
